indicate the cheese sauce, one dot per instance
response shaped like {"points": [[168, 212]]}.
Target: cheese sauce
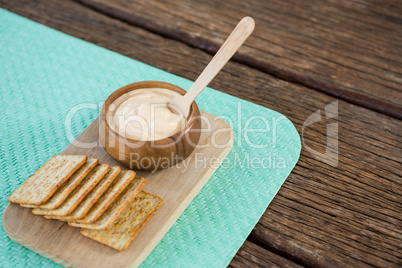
{"points": [[142, 114]]}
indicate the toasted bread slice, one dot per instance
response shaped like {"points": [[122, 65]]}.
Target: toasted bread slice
{"points": [[114, 190], [66, 188], [38, 188], [82, 209], [76, 196], [107, 219], [129, 223]]}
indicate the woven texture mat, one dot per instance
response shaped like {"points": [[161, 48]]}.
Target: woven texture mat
{"points": [[45, 73]]}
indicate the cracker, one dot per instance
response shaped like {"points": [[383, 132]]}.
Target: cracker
{"points": [[66, 188], [28, 206], [76, 196], [118, 186], [129, 223], [107, 219], [38, 188], [81, 210]]}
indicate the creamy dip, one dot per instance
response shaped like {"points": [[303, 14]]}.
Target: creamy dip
{"points": [[142, 114]]}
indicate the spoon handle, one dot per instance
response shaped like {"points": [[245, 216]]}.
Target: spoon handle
{"points": [[242, 31]]}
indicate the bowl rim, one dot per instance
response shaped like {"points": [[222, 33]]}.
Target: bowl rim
{"points": [[194, 111]]}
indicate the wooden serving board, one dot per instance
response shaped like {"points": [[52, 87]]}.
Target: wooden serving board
{"points": [[177, 186]]}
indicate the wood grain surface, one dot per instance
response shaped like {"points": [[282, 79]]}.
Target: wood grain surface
{"points": [[348, 49], [325, 216], [176, 186], [251, 255]]}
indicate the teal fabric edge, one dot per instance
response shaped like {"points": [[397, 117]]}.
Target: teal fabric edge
{"points": [[219, 219]]}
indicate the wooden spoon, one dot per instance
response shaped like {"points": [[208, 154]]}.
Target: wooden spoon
{"points": [[181, 104]]}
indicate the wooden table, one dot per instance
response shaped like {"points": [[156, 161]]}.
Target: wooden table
{"points": [[302, 56]]}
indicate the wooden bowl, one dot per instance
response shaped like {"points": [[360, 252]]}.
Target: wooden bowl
{"points": [[150, 155]]}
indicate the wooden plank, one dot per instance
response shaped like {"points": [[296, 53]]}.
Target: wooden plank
{"points": [[65, 245], [251, 255], [348, 49], [323, 215]]}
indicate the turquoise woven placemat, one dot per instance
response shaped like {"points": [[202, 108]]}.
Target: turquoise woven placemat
{"points": [[44, 73]]}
